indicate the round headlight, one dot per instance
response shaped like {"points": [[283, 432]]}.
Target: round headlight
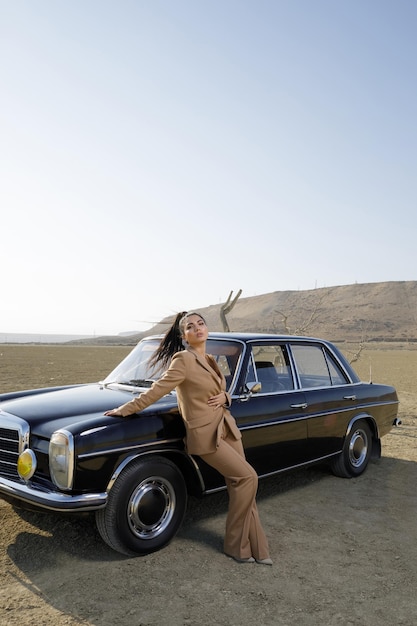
{"points": [[61, 459], [26, 464]]}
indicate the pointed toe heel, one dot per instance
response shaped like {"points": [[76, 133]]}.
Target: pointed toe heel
{"points": [[235, 558]]}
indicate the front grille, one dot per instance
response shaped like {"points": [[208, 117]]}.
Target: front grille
{"points": [[14, 438]]}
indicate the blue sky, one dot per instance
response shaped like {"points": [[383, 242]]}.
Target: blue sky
{"points": [[156, 155]]}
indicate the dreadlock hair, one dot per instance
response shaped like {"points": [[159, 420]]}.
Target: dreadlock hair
{"points": [[171, 342]]}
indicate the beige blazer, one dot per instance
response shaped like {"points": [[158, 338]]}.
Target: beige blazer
{"points": [[196, 379]]}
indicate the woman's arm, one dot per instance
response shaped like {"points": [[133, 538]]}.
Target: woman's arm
{"points": [[174, 375]]}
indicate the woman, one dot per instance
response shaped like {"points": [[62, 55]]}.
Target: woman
{"points": [[211, 431]]}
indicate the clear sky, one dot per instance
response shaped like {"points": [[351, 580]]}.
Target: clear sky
{"points": [[157, 154]]}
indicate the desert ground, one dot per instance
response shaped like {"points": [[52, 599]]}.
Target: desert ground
{"points": [[345, 551]]}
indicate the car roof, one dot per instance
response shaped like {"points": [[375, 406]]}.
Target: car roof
{"points": [[245, 336]]}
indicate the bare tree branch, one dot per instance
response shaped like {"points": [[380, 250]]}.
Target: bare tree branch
{"points": [[302, 327], [356, 355], [226, 308]]}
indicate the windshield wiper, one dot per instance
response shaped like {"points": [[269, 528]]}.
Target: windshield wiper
{"points": [[138, 382], [141, 382]]}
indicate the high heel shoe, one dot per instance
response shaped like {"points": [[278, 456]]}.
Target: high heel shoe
{"points": [[238, 560], [264, 561]]}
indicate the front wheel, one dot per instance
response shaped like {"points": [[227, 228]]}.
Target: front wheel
{"points": [[356, 452], [145, 508]]}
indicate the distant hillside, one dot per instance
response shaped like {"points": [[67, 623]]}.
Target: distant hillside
{"points": [[360, 312], [372, 311]]}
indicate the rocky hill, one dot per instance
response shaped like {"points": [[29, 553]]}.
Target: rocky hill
{"points": [[384, 311]]}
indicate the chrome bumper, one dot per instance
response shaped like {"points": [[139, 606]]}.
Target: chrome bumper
{"points": [[51, 500]]}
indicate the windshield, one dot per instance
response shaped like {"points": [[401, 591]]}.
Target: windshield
{"points": [[135, 366], [134, 369]]}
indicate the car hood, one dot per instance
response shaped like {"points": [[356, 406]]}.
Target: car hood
{"points": [[61, 407]]}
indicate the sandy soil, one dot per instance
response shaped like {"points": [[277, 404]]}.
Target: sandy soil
{"points": [[345, 551]]}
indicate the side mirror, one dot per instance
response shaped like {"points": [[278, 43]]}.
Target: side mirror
{"points": [[251, 388], [254, 387]]}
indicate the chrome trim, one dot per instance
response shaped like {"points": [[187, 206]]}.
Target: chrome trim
{"points": [[281, 471], [289, 420], [311, 416], [51, 500], [119, 469], [138, 507], [157, 442], [12, 422], [163, 453], [34, 465], [70, 467], [197, 471], [363, 416]]}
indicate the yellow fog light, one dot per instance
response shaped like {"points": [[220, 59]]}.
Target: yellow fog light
{"points": [[26, 464]]}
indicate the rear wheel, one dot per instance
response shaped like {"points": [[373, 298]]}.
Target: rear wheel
{"points": [[356, 452], [145, 507]]}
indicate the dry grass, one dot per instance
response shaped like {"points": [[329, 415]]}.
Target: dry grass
{"points": [[34, 366]]}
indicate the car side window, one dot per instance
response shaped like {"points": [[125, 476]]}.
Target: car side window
{"points": [[270, 366], [316, 368], [227, 355], [336, 375]]}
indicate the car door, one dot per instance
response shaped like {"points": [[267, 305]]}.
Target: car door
{"points": [[272, 420], [331, 398]]}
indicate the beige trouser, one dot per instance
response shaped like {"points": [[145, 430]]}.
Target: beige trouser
{"points": [[244, 536]]}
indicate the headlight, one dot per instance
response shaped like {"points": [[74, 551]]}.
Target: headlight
{"points": [[26, 464], [61, 459]]}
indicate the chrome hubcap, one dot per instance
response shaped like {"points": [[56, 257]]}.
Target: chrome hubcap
{"points": [[358, 448], [151, 507]]}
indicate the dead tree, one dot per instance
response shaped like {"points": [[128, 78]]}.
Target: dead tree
{"points": [[355, 355], [226, 308], [366, 333], [302, 327]]}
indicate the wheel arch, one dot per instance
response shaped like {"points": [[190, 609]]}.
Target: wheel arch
{"points": [[376, 440], [185, 463]]}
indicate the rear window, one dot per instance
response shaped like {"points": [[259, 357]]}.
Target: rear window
{"points": [[316, 367]]}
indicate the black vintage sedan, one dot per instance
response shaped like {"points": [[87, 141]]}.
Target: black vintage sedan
{"points": [[296, 400]]}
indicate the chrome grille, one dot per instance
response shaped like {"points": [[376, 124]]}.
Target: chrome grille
{"points": [[14, 438]]}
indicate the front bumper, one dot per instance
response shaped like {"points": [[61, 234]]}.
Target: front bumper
{"points": [[51, 500]]}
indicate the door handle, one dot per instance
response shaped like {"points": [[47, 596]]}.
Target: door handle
{"points": [[303, 405], [349, 397]]}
